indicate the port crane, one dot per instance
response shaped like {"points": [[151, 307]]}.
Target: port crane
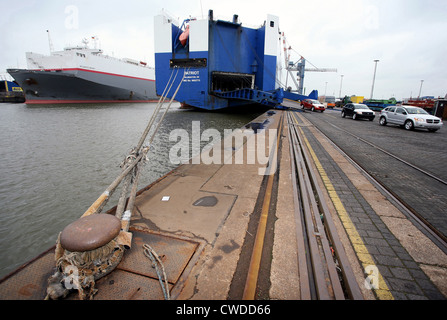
{"points": [[300, 67]]}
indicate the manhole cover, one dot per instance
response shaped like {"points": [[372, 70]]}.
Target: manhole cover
{"points": [[174, 252], [208, 201]]}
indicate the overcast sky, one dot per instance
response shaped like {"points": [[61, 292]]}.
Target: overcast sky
{"points": [[409, 37]]}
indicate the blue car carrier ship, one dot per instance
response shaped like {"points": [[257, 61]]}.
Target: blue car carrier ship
{"points": [[221, 63]]}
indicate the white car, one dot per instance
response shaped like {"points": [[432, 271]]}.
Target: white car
{"points": [[410, 118]]}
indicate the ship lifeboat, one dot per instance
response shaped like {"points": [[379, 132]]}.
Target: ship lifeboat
{"points": [[184, 36]]}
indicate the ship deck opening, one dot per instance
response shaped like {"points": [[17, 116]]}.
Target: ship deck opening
{"points": [[230, 81]]}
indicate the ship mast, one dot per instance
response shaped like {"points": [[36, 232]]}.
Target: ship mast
{"points": [[50, 43]]}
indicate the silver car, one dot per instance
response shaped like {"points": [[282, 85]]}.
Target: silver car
{"points": [[410, 118]]}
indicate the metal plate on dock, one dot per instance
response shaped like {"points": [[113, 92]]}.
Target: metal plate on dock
{"points": [[175, 254], [122, 285], [134, 277], [30, 281]]}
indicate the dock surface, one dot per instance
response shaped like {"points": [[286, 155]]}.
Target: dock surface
{"points": [[328, 216]]}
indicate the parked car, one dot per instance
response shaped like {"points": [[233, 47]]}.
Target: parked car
{"points": [[358, 111], [312, 105], [409, 117]]}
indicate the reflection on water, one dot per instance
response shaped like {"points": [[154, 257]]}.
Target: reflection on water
{"points": [[57, 159]]}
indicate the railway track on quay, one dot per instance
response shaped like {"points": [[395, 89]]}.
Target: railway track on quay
{"points": [[424, 223], [325, 270]]}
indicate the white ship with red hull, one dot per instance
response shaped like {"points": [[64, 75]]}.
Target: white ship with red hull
{"points": [[82, 75]]}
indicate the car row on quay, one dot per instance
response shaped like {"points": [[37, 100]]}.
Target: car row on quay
{"points": [[408, 117]]}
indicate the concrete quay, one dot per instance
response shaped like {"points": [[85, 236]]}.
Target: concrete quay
{"points": [[379, 239]]}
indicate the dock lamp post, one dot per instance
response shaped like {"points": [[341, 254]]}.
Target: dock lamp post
{"points": [[374, 78], [420, 89]]}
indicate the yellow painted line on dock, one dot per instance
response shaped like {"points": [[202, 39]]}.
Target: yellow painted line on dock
{"points": [[382, 291], [255, 261]]}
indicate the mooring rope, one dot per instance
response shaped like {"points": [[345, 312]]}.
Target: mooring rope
{"points": [[131, 171], [158, 107], [122, 199], [156, 112], [105, 196], [151, 254]]}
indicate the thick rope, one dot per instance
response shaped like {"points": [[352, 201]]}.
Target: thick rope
{"points": [[125, 163], [80, 270], [158, 107], [151, 254]]}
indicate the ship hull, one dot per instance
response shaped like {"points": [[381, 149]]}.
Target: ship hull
{"points": [[222, 64], [82, 86]]}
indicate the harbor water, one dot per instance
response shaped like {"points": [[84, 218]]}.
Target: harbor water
{"points": [[57, 159]]}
